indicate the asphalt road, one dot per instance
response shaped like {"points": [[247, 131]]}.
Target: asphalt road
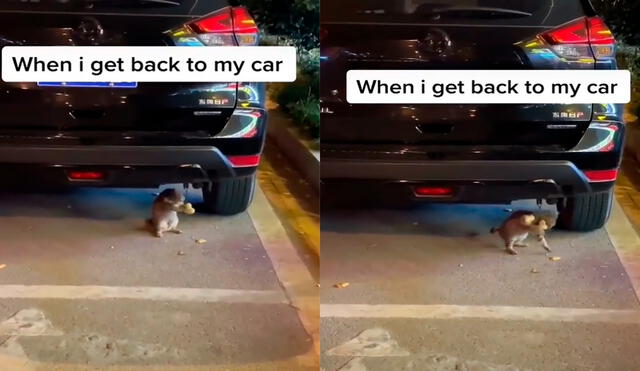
{"points": [[84, 286], [431, 289]]}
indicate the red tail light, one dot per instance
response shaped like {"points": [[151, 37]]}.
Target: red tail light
{"points": [[244, 161], [599, 33], [433, 191], [243, 22], [595, 176], [220, 22], [85, 175], [582, 38], [225, 27], [574, 32]]}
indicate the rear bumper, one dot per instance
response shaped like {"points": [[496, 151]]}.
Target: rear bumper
{"points": [[488, 173], [203, 156], [134, 166], [133, 158], [558, 173], [389, 182]]}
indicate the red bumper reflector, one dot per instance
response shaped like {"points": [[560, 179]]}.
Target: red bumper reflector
{"points": [[595, 176], [433, 191], [86, 175], [244, 161]]}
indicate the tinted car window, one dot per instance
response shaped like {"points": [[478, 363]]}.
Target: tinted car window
{"points": [[523, 12]]}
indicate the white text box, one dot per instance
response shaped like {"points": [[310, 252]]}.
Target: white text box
{"points": [[457, 87], [118, 63]]}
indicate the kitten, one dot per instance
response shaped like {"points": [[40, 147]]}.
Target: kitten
{"points": [[516, 228], [164, 212]]}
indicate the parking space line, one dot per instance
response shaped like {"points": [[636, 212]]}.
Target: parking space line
{"points": [[200, 295], [626, 243], [510, 313], [293, 274]]}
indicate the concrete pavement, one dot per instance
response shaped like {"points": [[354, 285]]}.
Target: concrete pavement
{"points": [[85, 287], [431, 289]]}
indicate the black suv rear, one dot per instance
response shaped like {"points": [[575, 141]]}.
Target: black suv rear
{"points": [[133, 134], [566, 154]]}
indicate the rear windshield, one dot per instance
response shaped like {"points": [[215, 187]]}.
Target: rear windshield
{"points": [[516, 12], [169, 7]]}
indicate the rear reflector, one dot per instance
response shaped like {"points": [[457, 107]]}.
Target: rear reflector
{"points": [[433, 191], [244, 161], [85, 175], [596, 176]]}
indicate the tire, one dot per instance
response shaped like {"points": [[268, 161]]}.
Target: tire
{"points": [[229, 196], [585, 213]]}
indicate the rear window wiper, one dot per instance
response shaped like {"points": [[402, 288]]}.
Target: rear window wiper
{"points": [[476, 10], [137, 2], [166, 2]]}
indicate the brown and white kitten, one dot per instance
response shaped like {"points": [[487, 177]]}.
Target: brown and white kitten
{"points": [[516, 228], [164, 212]]}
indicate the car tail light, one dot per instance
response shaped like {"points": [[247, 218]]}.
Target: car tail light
{"points": [[585, 37], [244, 161], [226, 27], [85, 175], [596, 176], [433, 191]]}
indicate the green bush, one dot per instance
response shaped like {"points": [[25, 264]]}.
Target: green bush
{"points": [[622, 17], [295, 23], [298, 20], [307, 112], [291, 93], [300, 100]]}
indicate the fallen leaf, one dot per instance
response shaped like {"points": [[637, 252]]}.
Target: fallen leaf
{"points": [[2, 266], [554, 258], [460, 265], [180, 253], [341, 285], [112, 247], [201, 240], [534, 270]]}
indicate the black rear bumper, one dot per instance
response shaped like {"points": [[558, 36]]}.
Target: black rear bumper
{"points": [[206, 157], [562, 173], [126, 166], [472, 181]]}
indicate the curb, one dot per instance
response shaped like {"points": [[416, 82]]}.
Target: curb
{"points": [[294, 276], [283, 134], [626, 243], [632, 142]]}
